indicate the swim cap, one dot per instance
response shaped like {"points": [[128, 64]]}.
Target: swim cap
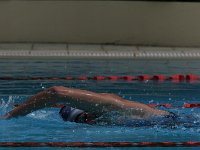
{"points": [[69, 113]]}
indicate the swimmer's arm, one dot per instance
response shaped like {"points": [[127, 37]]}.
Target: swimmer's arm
{"points": [[88, 101], [41, 100], [99, 103], [85, 100]]}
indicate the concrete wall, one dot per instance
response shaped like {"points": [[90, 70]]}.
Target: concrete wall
{"points": [[115, 22]]}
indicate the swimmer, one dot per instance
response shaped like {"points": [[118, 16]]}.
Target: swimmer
{"points": [[84, 106]]}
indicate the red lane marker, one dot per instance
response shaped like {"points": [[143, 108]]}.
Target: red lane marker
{"points": [[192, 77], [177, 77], [159, 77], [55, 78], [68, 78], [128, 78], [144, 77], [6, 78], [191, 105], [157, 105], [99, 78], [113, 77], [187, 105], [165, 105], [174, 78], [192, 143], [147, 144], [35, 78], [151, 105], [169, 144], [82, 78], [101, 144]]}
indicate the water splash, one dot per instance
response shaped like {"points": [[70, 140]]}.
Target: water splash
{"points": [[5, 105], [45, 114]]}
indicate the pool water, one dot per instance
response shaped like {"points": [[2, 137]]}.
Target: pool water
{"points": [[46, 125]]}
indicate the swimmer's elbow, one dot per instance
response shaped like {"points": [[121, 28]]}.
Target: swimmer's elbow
{"points": [[58, 90], [55, 89]]}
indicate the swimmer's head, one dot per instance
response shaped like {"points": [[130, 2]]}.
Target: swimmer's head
{"points": [[70, 114], [76, 115]]}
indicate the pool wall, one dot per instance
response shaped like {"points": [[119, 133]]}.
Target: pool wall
{"points": [[100, 22]]}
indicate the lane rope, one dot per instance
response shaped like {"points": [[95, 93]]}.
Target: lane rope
{"points": [[101, 144], [160, 77], [186, 105]]}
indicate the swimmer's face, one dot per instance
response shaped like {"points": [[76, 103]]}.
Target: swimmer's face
{"points": [[86, 118]]}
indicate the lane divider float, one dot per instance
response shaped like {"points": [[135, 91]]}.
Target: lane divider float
{"points": [[186, 105], [101, 144], [145, 77]]}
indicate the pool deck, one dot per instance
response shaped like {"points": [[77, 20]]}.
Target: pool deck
{"points": [[95, 51]]}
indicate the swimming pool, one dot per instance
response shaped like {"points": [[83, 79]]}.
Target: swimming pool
{"points": [[46, 125]]}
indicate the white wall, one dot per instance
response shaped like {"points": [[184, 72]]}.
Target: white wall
{"points": [[116, 22]]}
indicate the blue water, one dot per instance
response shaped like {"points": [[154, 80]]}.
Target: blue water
{"points": [[46, 125]]}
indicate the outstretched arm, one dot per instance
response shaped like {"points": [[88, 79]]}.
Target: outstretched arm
{"points": [[85, 100], [88, 101]]}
